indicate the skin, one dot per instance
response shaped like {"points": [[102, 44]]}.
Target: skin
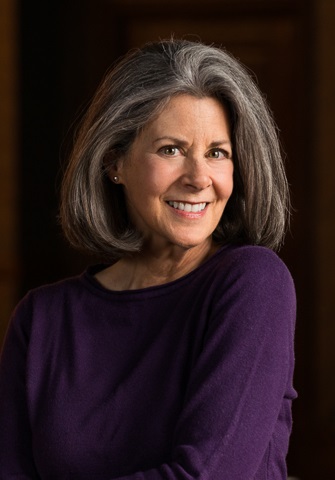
{"points": [[184, 156]]}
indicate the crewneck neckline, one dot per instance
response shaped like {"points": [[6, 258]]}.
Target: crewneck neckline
{"points": [[96, 287]]}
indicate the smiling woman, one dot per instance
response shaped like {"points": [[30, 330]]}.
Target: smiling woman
{"points": [[185, 175], [173, 359]]}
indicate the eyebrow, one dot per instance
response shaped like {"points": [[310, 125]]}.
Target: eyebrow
{"points": [[183, 143]]}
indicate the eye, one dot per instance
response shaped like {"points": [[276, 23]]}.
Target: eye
{"points": [[170, 150], [218, 153]]}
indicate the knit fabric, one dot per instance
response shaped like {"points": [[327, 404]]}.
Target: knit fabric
{"points": [[187, 380]]}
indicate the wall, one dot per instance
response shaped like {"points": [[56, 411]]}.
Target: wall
{"points": [[9, 125], [323, 193]]}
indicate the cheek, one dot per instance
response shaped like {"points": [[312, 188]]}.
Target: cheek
{"points": [[227, 183], [145, 182], [156, 178], [231, 186]]}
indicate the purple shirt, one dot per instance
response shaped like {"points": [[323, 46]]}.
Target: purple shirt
{"points": [[187, 380]]}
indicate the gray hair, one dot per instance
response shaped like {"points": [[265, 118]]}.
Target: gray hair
{"points": [[93, 209]]}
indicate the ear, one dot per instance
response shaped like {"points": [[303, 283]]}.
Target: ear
{"points": [[114, 169]]}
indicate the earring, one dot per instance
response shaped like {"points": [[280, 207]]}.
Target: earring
{"points": [[115, 179]]}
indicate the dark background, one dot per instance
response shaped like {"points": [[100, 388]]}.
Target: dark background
{"points": [[62, 49]]}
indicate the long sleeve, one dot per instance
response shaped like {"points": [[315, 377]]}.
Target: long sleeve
{"points": [[16, 458], [234, 418], [241, 386]]}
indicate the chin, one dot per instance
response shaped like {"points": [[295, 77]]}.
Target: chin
{"points": [[189, 243]]}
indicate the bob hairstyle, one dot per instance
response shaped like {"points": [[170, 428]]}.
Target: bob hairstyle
{"points": [[93, 210]]}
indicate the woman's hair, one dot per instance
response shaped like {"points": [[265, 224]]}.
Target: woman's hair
{"points": [[93, 209]]}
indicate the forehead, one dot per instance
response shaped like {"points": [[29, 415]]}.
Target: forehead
{"points": [[187, 113]]}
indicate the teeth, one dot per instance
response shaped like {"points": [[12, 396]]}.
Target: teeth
{"points": [[188, 207]]}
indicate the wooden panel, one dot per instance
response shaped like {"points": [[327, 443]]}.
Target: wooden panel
{"points": [[324, 169], [174, 8], [324, 194], [8, 163]]}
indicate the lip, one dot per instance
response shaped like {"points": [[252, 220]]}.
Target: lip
{"points": [[187, 201], [187, 213]]}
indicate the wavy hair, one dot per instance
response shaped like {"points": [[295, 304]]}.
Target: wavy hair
{"points": [[93, 211]]}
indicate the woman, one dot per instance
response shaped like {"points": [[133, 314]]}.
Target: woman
{"points": [[173, 360]]}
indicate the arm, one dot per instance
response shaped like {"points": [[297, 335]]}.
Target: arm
{"points": [[16, 459], [236, 391], [238, 405]]}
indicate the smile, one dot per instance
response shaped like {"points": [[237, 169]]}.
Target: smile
{"points": [[188, 207]]}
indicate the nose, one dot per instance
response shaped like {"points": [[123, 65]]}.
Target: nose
{"points": [[196, 175]]}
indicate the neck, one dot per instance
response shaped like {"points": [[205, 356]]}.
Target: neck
{"points": [[150, 268]]}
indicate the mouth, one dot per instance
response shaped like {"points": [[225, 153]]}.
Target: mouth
{"points": [[188, 207]]}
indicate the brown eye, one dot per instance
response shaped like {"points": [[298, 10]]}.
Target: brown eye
{"points": [[169, 150], [218, 153]]}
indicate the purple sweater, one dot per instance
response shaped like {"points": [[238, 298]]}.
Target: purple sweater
{"points": [[187, 380]]}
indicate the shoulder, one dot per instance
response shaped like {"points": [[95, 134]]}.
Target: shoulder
{"points": [[254, 300], [46, 299], [252, 254], [56, 291], [254, 263], [255, 277]]}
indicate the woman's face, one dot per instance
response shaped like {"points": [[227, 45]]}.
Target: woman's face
{"points": [[178, 174]]}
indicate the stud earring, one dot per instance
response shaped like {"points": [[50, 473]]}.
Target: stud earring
{"points": [[115, 179]]}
